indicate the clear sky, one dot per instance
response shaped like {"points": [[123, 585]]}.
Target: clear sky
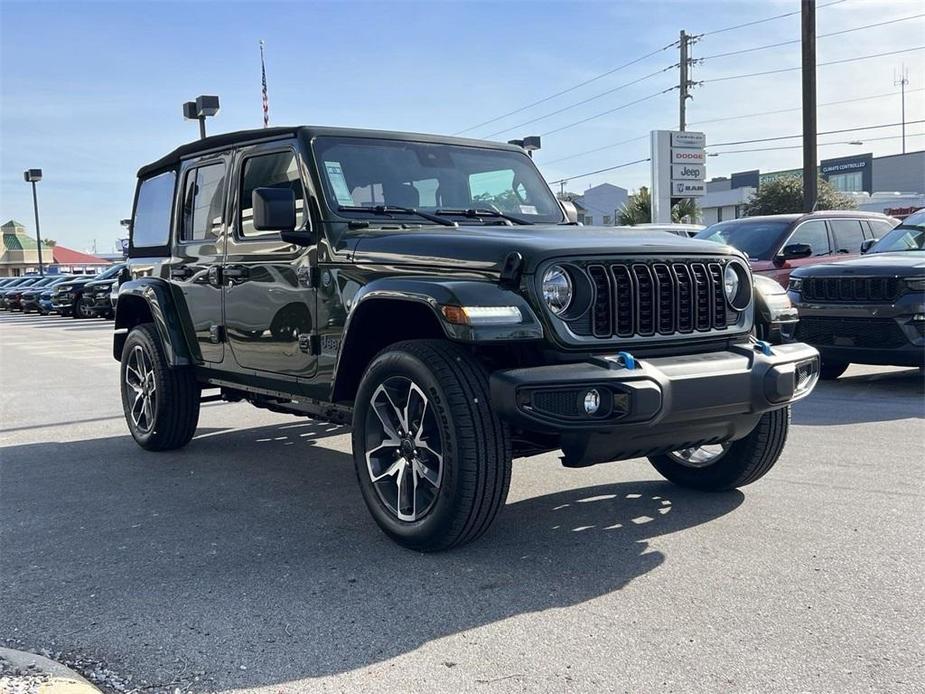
{"points": [[91, 91]]}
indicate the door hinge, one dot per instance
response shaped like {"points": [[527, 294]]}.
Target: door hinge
{"points": [[308, 276], [216, 334]]}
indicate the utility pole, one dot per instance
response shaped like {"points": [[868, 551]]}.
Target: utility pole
{"points": [[33, 176], [901, 82], [684, 82], [808, 14]]}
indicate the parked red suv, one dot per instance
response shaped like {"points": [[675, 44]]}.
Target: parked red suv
{"points": [[777, 244]]}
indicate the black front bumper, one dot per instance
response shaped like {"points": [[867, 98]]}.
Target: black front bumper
{"points": [[660, 404]]}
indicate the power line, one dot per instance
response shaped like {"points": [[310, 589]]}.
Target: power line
{"points": [[821, 144], [729, 118], [798, 108], [591, 173], [826, 132], [830, 62], [571, 89], [819, 36], [609, 111], [766, 19], [583, 102]]}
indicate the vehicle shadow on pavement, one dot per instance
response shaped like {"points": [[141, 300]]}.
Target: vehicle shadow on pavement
{"points": [[872, 397], [253, 548]]}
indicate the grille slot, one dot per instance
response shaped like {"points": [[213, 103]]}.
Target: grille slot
{"points": [[851, 332], [851, 289], [602, 311]]}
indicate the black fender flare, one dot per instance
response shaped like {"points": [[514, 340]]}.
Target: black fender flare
{"points": [[434, 294], [151, 298]]}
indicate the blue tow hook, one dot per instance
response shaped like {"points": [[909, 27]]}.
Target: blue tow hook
{"points": [[626, 360], [764, 348]]}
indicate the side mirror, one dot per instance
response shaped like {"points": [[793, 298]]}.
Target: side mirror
{"points": [[274, 209], [571, 212], [867, 244], [792, 251]]}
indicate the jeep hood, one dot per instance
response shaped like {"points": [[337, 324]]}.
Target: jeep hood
{"points": [[484, 248], [874, 264]]}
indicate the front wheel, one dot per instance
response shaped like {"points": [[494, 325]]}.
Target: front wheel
{"points": [[432, 458], [82, 308], [160, 402], [728, 465]]}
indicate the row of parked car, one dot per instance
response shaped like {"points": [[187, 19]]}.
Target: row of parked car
{"points": [[78, 296], [857, 281]]}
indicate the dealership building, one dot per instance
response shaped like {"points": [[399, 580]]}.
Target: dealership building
{"points": [[893, 184], [19, 255]]}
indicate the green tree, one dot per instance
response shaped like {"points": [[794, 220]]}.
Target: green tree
{"points": [[638, 209], [51, 243], [785, 195]]}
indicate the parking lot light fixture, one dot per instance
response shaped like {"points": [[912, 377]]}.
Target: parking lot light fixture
{"points": [[33, 176], [203, 107]]}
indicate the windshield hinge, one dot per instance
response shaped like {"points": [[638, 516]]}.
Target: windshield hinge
{"points": [[511, 270]]}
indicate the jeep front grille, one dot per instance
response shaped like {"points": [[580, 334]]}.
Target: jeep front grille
{"points": [[851, 289], [647, 299]]}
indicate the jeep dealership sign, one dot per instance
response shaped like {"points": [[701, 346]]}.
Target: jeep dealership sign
{"points": [[678, 169]]}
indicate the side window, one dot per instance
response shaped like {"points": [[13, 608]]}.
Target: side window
{"points": [[880, 227], [151, 223], [848, 235], [814, 234], [277, 170], [203, 203]]}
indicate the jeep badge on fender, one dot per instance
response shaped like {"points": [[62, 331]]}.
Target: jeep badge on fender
{"points": [[432, 293]]}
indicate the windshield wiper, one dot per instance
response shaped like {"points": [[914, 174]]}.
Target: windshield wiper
{"points": [[485, 212], [391, 209]]}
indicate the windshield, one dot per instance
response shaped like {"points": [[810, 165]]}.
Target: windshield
{"points": [[451, 179], [111, 272], [757, 240], [908, 236]]}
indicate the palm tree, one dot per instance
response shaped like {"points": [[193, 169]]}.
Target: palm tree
{"points": [[638, 209]]}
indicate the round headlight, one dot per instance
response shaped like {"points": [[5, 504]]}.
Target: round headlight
{"points": [[557, 289], [731, 283], [736, 287]]}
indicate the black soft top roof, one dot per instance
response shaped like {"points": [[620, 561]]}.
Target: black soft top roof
{"points": [[224, 140]]}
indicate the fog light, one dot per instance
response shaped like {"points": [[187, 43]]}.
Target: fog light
{"points": [[592, 401]]}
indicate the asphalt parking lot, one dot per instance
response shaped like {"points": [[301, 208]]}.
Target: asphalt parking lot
{"points": [[247, 561]]}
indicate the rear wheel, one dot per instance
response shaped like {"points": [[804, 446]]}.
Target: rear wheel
{"points": [[432, 458], [830, 370], [732, 464], [160, 402]]}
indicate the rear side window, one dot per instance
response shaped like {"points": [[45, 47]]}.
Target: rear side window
{"points": [[814, 234], [880, 227], [849, 235], [277, 170], [151, 223], [203, 203]]}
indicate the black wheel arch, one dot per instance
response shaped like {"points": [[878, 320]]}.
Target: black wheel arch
{"points": [[150, 300]]}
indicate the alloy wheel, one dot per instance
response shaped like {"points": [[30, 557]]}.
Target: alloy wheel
{"points": [[139, 377], [699, 456], [404, 450], [84, 308]]}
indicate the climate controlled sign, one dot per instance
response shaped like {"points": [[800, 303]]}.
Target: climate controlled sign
{"points": [[678, 169]]}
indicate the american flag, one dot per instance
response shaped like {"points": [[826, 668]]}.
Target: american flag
{"points": [[266, 99]]}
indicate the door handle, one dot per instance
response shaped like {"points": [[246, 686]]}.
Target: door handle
{"points": [[181, 272], [235, 272]]}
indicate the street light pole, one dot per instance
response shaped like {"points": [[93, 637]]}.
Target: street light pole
{"points": [[33, 176]]}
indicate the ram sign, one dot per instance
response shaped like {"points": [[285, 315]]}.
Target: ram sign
{"points": [[678, 169]]}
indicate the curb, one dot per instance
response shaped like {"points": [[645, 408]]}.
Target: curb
{"points": [[28, 672]]}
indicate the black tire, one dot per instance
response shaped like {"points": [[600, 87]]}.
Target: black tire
{"points": [[476, 450], [81, 309], [743, 462], [174, 410], [830, 370]]}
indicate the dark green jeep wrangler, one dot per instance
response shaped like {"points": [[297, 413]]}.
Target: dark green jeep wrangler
{"points": [[433, 294]]}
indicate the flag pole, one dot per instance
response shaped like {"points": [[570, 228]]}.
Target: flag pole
{"points": [[263, 79]]}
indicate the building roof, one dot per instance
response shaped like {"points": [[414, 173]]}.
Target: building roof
{"points": [[68, 256], [225, 140], [13, 225], [15, 238]]}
